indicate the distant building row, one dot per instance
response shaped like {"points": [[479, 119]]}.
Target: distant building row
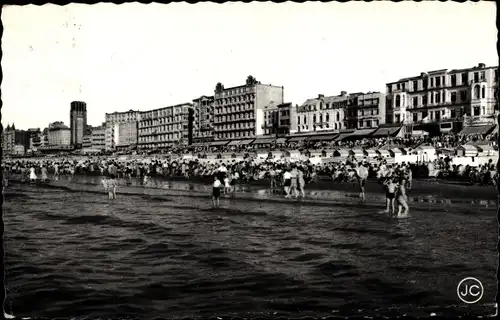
{"points": [[438, 101]]}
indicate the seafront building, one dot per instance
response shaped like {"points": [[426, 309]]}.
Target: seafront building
{"points": [[78, 123], [240, 111], [445, 100], [59, 135], [203, 118], [128, 130], [167, 126]]}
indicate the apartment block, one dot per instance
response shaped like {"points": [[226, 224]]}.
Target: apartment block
{"points": [[164, 127], [240, 111], [203, 117], [366, 111], [114, 118], [458, 97]]}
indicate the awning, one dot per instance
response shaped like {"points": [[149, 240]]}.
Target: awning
{"points": [[355, 134], [326, 137], [476, 130], [281, 140], [199, 144], [384, 132], [297, 139], [219, 143], [342, 136], [264, 141], [234, 142], [245, 142]]}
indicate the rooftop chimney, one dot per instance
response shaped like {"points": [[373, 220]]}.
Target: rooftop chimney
{"points": [[481, 65], [343, 93], [423, 74], [321, 96]]}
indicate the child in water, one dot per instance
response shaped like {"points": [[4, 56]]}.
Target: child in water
{"points": [[216, 191], [110, 186]]}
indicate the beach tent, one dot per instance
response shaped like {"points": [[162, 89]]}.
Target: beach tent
{"points": [[329, 152], [385, 153], [277, 154], [445, 152], [294, 154], [486, 150], [315, 153], [341, 153], [467, 150], [370, 153], [357, 153]]}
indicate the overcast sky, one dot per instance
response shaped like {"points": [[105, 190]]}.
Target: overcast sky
{"points": [[135, 56]]}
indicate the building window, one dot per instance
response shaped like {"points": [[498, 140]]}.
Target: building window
{"points": [[415, 86], [476, 77], [463, 95], [495, 73], [338, 116], [314, 118], [477, 111], [298, 120], [476, 92], [403, 86], [424, 100], [305, 120], [438, 82], [432, 82], [327, 116], [483, 92], [453, 97], [425, 83], [398, 86], [360, 125], [438, 97], [415, 102], [465, 78], [432, 98], [415, 117], [398, 101]]}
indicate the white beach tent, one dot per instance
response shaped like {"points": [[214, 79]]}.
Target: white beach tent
{"points": [[467, 150]]}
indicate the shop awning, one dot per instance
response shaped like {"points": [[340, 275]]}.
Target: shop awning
{"points": [[296, 139], [323, 137], [245, 142], [342, 136], [385, 132], [219, 143], [467, 131], [199, 144], [264, 140], [234, 142], [281, 140]]}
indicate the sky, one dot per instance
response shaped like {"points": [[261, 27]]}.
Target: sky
{"points": [[142, 57]]}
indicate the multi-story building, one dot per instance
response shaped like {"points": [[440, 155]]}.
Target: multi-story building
{"points": [[280, 120], [59, 135], [125, 134], [164, 127], [203, 128], [239, 111], [98, 137], [34, 135], [114, 118], [9, 139], [87, 142], [78, 122], [367, 111], [448, 99], [325, 113]]}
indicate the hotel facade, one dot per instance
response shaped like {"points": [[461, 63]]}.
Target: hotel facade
{"points": [[203, 117], [240, 111], [168, 126], [450, 99], [116, 118]]}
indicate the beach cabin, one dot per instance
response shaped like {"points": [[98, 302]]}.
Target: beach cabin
{"points": [[276, 155], [316, 153], [383, 153], [485, 150], [358, 153], [370, 153], [446, 152], [467, 150], [426, 153], [341, 153]]}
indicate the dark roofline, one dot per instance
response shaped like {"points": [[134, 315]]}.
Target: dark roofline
{"points": [[203, 96], [257, 84], [119, 112], [173, 106], [442, 70]]}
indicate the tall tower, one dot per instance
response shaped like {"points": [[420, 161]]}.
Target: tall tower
{"points": [[78, 122]]}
